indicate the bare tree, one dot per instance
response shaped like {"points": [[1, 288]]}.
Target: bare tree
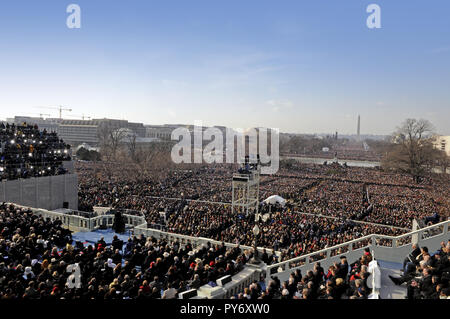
{"points": [[412, 149], [154, 156], [103, 132], [110, 139], [116, 138], [132, 147]]}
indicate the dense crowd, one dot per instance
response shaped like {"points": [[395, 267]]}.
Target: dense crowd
{"points": [[106, 184], [426, 275], [343, 153], [340, 281], [348, 203], [39, 260], [326, 205], [26, 151], [296, 234]]}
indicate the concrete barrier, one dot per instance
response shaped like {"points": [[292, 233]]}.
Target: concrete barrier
{"points": [[48, 192]]}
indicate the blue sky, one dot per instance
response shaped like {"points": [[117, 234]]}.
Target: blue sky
{"points": [[301, 66]]}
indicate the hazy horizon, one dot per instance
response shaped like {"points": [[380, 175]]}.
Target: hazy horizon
{"points": [[181, 123]]}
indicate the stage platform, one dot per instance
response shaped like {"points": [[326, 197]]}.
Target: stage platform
{"points": [[90, 238]]}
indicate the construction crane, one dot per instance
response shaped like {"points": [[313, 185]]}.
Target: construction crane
{"points": [[59, 108]]}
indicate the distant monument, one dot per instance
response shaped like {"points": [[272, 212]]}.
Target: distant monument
{"points": [[358, 130]]}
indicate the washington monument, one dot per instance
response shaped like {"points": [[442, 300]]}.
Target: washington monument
{"points": [[358, 130]]}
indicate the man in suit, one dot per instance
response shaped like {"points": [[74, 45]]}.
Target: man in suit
{"points": [[407, 276], [117, 243], [148, 259], [426, 284], [411, 258]]}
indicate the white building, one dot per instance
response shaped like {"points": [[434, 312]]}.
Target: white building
{"points": [[75, 132], [443, 143]]}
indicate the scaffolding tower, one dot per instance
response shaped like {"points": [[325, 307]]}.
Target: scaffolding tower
{"points": [[245, 194]]}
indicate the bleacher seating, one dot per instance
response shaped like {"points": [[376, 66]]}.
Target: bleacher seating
{"points": [[25, 151]]}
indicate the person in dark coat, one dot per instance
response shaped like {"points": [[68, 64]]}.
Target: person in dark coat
{"points": [[426, 284], [407, 276], [411, 258], [343, 268], [119, 223]]}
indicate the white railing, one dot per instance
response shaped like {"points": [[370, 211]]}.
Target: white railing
{"points": [[238, 283], [184, 239], [241, 280], [80, 223], [388, 248], [71, 221]]}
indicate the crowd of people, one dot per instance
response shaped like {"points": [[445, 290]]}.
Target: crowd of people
{"points": [[39, 260], [295, 234], [348, 202], [343, 153], [340, 281], [426, 275], [26, 151]]}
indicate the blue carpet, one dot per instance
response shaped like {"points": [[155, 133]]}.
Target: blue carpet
{"points": [[90, 238]]}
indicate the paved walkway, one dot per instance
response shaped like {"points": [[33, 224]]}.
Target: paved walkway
{"points": [[388, 289]]}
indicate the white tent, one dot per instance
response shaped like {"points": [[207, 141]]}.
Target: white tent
{"points": [[275, 199]]}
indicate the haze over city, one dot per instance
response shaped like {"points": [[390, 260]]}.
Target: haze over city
{"points": [[300, 67]]}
